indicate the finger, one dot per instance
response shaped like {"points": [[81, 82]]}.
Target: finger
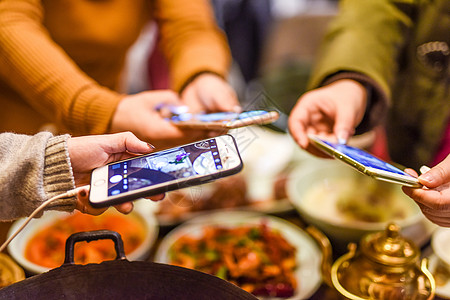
{"points": [[158, 197], [297, 127], [124, 208], [428, 197], [164, 96], [344, 125], [411, 172], [83, 204], [226, 101], [128, 142], [437, 175]]}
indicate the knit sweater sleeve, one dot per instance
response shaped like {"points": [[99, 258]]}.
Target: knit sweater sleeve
{"points": [[191, 40], [32, 170], [43, 74]]}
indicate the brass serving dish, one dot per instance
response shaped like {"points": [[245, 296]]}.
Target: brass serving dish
{"points": [[386, 266]]}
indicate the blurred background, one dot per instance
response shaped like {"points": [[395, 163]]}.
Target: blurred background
{"points": [[273, 44]]}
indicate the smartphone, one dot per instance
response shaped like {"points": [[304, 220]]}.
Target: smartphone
{"points": [[365, 162], [224, 120], [163, 171]]}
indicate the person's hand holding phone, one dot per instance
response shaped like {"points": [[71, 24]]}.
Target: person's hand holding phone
{"points": [[89, 152], [434, 197], [332, 111], [210, 93], [139, 114]]}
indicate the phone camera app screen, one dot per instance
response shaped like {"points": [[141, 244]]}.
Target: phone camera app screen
{"points": [[201, 158]]}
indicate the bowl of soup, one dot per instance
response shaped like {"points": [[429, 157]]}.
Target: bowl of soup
{"points": [[346, 204], [41, 245]]}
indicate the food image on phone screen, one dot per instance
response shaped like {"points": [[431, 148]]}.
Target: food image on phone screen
{"points": [[173, 166], [201, 158]]}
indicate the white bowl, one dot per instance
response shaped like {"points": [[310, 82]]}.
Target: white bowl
{"points": [[439, 264], [440, 242], [315, 187], [18, 245]]}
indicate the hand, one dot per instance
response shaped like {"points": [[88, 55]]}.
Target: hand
{"points": [[332, 111], [137, 113], [89, 152], [209, 92], [434, 197]]}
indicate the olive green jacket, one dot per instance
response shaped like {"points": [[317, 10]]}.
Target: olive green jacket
{"points": [[400, 50]]}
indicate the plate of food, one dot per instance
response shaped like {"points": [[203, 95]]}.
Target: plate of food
{"points": [[41, 244], [264, 255], [259, 187]]}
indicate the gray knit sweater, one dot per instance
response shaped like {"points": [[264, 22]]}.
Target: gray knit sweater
{"points": [[32, 170]]}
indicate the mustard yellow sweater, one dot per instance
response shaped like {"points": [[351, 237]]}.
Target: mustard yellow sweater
{"points": [[61, 60]]}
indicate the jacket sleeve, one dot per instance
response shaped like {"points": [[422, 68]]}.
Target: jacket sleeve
{"points": [[32, 170], [364, 43], [42, 73], [190, 39]]}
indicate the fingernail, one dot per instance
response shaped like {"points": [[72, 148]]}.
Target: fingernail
{"points": [[342, 138], [424, 169], [427, 177], [237, 109], [151, 146]]}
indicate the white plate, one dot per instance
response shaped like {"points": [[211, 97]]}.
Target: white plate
{"points": [[309, 256], [18, 245]]}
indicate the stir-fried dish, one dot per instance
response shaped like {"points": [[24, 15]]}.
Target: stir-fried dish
{"points": [[46, 247], [254, 257]]}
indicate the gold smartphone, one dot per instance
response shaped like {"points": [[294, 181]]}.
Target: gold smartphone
{"points": [[224, 120], [365, 162]]}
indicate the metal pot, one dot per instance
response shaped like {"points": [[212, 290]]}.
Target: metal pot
{"points": [[120, 279]]}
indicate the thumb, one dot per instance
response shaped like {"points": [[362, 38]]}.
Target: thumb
{"points": [[128, 142], [437, 175], [344, 125]]}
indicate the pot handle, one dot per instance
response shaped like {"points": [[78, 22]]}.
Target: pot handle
{"points": [[89, 236]]}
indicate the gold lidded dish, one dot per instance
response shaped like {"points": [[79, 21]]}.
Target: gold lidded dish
{"points": [[387, 266]]}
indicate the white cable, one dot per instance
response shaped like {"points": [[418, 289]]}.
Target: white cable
{"points": [[67, 194]]}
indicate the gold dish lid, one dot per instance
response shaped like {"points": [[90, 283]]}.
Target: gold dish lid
{"points": [[10, 272], [389, 248]]}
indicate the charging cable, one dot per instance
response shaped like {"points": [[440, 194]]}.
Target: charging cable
{"points": [[67, 194]]}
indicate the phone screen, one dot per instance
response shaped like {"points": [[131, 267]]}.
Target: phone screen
{"points": [[219, 116], [200, 158], [365, 158]]}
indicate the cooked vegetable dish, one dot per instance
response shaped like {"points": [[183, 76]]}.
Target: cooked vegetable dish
{"points": [[254, 257]]}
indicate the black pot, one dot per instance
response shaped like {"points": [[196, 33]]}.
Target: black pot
{"points": [[120, 279]]}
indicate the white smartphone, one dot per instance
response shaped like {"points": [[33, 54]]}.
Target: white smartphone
{"points": [[224, 120], [365, 162], [163, 171]]}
